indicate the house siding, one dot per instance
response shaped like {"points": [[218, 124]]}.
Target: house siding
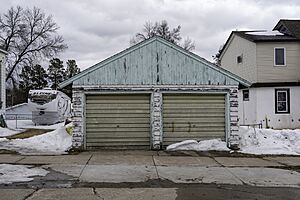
{"points": [[266, 108], [246, 69], [267, 72]]}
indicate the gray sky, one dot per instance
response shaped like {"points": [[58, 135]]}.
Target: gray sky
{"points": [[97, 29]]}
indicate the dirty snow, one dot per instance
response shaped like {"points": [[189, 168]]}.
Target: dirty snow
{"points": [[52, 143], [269, 141], [253, 141], [205, 145], [25, 124], [19, 173]]}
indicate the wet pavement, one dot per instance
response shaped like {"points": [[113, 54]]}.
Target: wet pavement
{"points": [[153, 175]]}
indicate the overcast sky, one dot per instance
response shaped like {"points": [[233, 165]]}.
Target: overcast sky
{"points": [[97, 29]]}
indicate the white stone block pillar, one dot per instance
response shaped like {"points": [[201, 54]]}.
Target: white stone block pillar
{"points": [[156, 120]]}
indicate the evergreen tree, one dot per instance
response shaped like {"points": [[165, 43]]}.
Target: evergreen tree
{"points": [[26, 78], [72, 69], [56, 72], [39, 77]]}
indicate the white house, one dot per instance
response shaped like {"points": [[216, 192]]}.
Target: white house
{"points": [[2, 81], [272, 64]]}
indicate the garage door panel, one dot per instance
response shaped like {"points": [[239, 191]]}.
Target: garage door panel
{"points": [[121, 111], [126, 125], [117, 106], [132, 116], [197, 115], [124, 97], [193, 116], [117, 129], [195, 110], [194, 120], [116, 121]]}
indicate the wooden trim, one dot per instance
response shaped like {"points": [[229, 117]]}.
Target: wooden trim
{"points": [[284, 56], [275, 84], [287, 90]]}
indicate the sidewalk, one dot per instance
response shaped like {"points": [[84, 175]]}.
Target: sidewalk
{"points": [[113, 167]]}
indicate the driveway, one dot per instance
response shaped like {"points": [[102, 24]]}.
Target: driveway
{"points": [[160, 174]]}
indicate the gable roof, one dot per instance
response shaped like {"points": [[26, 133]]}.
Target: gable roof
{"points": [[288, 27], [148, 42]]}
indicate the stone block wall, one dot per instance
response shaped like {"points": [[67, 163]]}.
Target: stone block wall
{"points": [[234, 138], [77, 118]]}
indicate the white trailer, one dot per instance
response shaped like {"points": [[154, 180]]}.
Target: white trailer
{"points": [[48, 106]]}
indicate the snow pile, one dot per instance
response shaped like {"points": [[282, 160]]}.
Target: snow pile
{"points": [[253, 141], [25, 124], [205, 145], [7, 132], [19, 173], [269, 141], [54, 142]]}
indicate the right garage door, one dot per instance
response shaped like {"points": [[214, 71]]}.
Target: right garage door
{"points": [[193, 116]]}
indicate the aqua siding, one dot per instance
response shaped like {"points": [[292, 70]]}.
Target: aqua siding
{"points": [[155, 63]]}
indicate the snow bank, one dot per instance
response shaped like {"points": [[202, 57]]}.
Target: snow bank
{"points": [[7, 132], [19, 173], [205, 145], [269, 141], [253, 141], [25, 124], [54, 142]]}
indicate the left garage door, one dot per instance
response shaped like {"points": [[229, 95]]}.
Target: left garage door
{"points": [[118, 121]]}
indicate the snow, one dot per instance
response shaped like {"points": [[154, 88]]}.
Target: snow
{"points": [[52, 143], [25, 124], [7, 132], [19, 173], [253, 141], [269, 141], [205, 145]]}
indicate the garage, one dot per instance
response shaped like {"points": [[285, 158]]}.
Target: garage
{"points": [[193, 116], [153, 94], [118, 121]]}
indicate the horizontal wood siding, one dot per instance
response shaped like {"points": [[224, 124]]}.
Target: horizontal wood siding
{"points": [[117, 121], [241, 47], [267, 72], [193, 116]]}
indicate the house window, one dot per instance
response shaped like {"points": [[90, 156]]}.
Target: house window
{"points": [[239, 59], [282, 101], [279, 56], [245, 95]]}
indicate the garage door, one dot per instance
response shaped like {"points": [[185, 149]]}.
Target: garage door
{"points": [[118, 121], [193, 116]]}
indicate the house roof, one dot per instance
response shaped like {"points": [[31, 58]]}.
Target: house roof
{"points": [[146, 42], [288, 27], [263, 38]]}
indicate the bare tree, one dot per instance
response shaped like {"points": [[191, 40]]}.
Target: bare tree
{"points": [[28, 35], [216, 57], [188, 44], [162, 29]]}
